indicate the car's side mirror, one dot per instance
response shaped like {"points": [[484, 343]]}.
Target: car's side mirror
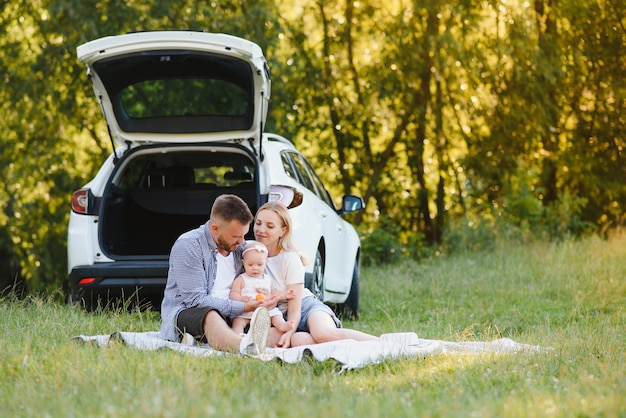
{"points": [[351, 203]]}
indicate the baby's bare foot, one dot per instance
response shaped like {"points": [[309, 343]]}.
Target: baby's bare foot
{"points": [[287, 326]]}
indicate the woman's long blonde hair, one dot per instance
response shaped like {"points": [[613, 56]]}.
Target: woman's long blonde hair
{"points": [[286, 241]]}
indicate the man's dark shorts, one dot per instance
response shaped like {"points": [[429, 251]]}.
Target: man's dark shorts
{"points": [[191, 321]]}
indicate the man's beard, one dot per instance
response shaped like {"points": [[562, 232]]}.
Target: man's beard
{"points": [[223, 245]]}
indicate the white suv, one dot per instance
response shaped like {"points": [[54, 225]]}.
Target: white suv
{"points": [[186, 112]]}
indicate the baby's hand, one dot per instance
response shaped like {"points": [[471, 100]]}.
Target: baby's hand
{"points": [[264, 291], [271, 302]]}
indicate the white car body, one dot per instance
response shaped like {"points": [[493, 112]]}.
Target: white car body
{"points": [[170, 164]]}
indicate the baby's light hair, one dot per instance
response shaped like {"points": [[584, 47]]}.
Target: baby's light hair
{"points": [[254, 246]]}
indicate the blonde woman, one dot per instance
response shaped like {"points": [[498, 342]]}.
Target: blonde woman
{"points": [[285, 265]]}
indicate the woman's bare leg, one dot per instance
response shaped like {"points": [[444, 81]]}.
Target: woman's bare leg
{"points": [[323, 329]]}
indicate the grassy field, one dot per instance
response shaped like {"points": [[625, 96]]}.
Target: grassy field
{"points": [[570, 296]]}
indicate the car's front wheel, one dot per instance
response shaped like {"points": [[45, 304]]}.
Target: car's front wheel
{"points": [[352, 303], [350, 308]]}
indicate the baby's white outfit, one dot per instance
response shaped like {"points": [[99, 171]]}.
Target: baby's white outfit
{"points": [[250, 285]]}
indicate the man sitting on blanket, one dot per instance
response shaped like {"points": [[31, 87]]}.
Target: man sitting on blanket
{"points": [[203, 264]]}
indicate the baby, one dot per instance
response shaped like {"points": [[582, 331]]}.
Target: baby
{"points": [[255, 284]]}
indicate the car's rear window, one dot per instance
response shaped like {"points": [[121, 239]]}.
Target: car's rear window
{"points": [[183, 97], [179, 92]]}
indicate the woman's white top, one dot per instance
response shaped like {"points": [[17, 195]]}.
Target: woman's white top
{"points": [[284, 269]]}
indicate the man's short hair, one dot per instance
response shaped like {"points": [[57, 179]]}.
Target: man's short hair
{"points": [[228, 207]]}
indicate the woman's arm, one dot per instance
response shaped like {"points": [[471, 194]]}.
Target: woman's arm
{"points": [[286, 295], [294, 306]]}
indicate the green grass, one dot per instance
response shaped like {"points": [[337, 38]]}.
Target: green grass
{"points": [[570, 296]]}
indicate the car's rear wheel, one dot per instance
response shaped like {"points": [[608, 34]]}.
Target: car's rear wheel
{"points": [[317, 279]]}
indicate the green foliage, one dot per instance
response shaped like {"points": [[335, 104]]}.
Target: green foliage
{"points": [[466, 117], [525, 220], [524, 206], [520, 217], [566, 295], [381, 245], [388, 243], [472, 233], [563, 218], [54, 137]]}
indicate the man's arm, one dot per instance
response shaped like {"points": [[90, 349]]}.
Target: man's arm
{"points": [[189, 268]]}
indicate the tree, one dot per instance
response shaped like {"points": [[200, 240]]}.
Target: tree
{"points": [[431, 110], [54, 138]]}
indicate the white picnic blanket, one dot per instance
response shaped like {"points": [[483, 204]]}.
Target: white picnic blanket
{"points": [[349, 353]]}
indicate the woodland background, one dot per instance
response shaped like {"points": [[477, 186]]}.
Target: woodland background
{"points": [[459, 122]]}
